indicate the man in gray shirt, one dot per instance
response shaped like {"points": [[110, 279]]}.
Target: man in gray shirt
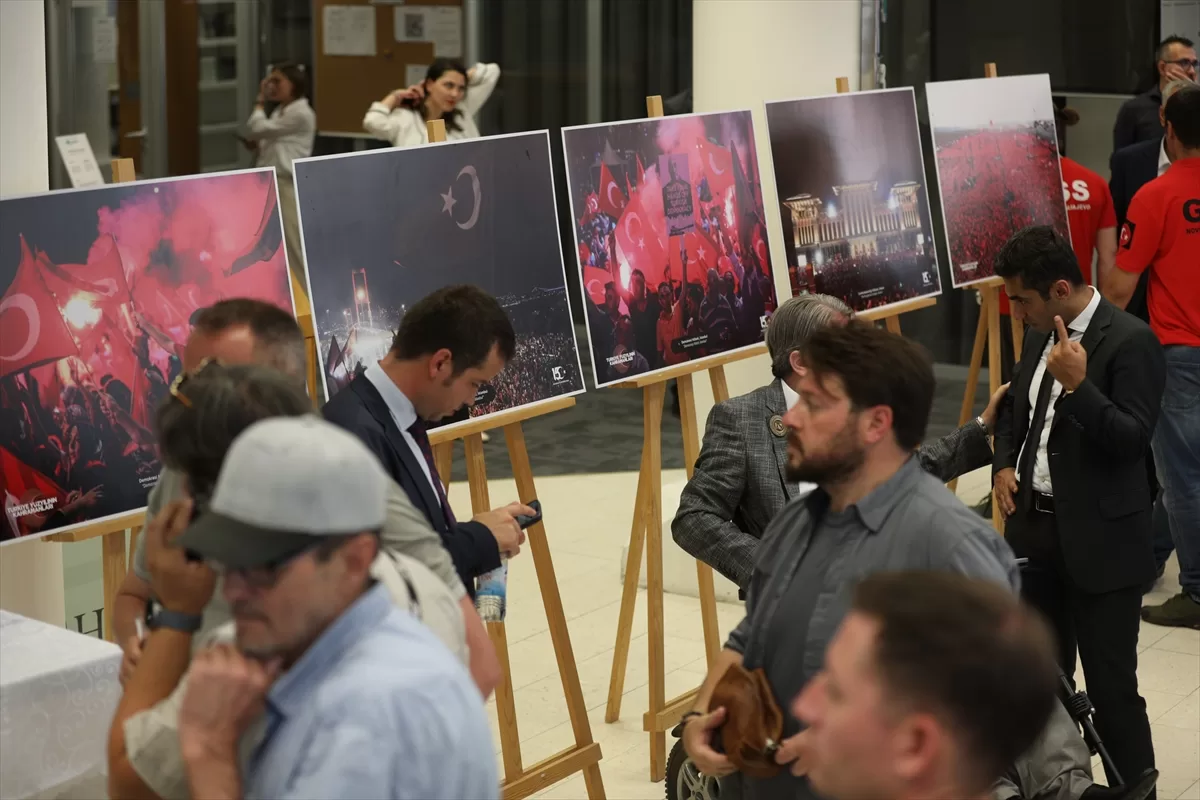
{"points": [[864, 405]]}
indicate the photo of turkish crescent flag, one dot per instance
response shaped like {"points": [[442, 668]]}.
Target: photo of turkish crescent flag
{"points": [[32, 330], [716, 163], [103, 279], [640, 234], [612, 199]]}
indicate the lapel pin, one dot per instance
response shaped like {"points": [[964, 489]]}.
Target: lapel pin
{"points": [[778, 429]]}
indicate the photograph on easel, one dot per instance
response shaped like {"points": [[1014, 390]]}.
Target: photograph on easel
{"points": [[997, 165], [855, 208], [99, 290], [384, 228], [670, 239]]}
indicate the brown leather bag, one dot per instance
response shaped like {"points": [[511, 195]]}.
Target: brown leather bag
{"points": [[753, 722]]}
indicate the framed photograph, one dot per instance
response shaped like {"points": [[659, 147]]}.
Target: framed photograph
{"points": [[851, 180], [997, 166], [670, 240], [99, 290], [384, 228]]}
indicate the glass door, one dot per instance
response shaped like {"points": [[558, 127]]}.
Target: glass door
{"points": [[229, 78]]}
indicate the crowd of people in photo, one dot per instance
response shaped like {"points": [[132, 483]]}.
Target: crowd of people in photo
{"points": [[873, 281], [648, 325], [995, 182]]}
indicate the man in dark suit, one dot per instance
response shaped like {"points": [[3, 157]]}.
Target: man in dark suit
{"points": [[1069, 475], [449, 344], [1138, 119]]}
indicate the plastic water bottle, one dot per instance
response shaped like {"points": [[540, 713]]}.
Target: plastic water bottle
{"points": [[491, 590]]}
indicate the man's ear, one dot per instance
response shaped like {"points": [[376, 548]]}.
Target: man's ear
{"points": [[441, 360], [876, 424], [796, 364]]}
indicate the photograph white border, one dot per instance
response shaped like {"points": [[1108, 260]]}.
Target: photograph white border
{"points": [[924, 175], [700, 363], [441, 429]]}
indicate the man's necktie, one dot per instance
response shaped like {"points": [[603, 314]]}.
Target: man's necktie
{"points": [[1033, 439], [417, 431]]}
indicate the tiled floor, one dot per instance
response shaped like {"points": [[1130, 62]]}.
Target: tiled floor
{"points": [[587, 523]]}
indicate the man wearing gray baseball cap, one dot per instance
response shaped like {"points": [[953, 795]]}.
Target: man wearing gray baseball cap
{"points": [[350, 686]]}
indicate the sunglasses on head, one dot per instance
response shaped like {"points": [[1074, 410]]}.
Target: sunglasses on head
{"points": [[182, 378]]}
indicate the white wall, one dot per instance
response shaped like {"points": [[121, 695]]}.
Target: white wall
{"points": [[750, 51], [31, 576]]}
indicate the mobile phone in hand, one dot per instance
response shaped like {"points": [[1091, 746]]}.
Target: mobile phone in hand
{"points": [[524, 520]]}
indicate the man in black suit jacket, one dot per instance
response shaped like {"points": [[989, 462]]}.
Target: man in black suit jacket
{"points": [[448, 346], [1069, 475]]}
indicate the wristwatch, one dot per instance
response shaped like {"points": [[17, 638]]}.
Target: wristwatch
{"points": [[176, 621], [979, 421]]}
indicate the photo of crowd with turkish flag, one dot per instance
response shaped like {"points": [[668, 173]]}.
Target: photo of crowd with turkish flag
{"points": [[670, 239], [98, 288]]}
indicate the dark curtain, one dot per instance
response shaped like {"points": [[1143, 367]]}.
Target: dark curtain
{"points": [[647, 51], [541, 46]]}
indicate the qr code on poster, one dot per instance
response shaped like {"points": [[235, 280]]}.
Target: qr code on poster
{"points": [[414, 26]]}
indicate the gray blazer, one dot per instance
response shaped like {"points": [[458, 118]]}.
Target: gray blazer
{"points": [[740, 481]]}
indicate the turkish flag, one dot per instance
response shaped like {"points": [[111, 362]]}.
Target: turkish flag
{"points": [[32, 330], [21, 486], [716, 164], [640, 234], [266, 239], [99, 283], [702, 255], [612, 199], [594, 280]]}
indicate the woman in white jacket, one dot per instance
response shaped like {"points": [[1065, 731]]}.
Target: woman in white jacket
{"points": [[281, 138], [450, 92]]}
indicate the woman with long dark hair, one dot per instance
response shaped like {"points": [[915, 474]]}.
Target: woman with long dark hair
{"points": [[279, 139], [450, 92]]}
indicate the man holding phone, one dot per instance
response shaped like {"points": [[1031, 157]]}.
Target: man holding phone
{"points": [[1069, 475]]}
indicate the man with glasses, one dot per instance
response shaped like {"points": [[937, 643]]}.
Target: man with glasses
{"points": [[358, 699], [1138, 120]]}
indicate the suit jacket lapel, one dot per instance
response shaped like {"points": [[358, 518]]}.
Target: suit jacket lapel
{"points": [[775, 405], [1092, 337], [378, 408]]}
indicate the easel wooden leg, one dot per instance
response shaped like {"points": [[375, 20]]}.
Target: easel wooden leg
{"points": [[704, 575], [893, 324], [633, 568], [652, 437], [112, 548], [443, 458], [506, 709], [993, 309], [586, 752], [968, 403]]}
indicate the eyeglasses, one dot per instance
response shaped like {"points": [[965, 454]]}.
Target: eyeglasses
{"points": [[183, 377], [1185, 63], [267, 575]]}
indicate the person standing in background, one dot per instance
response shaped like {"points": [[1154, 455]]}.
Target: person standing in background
{"points": [[1132, 168], [1138, 119], [1162, 237], [281, 138], [450, 92]]}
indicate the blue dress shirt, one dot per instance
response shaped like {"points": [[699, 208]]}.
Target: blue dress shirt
{"points": [[376, 708]]}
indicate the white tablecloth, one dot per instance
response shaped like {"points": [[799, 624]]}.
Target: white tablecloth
{"points": [[58, 692]]}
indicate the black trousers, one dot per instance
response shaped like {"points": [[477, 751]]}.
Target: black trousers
{"points": [[1103, 628]]}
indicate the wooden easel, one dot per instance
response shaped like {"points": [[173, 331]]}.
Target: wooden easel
{"points": [[113, 554], [646, 532], [584, 755], [112, 544], [987, 332]]}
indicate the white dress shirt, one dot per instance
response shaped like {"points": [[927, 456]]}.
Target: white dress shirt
{"points": [[1041, 464], [791, 398], [1163, 160], [284, 136], [403, 413], [405, 127]]}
